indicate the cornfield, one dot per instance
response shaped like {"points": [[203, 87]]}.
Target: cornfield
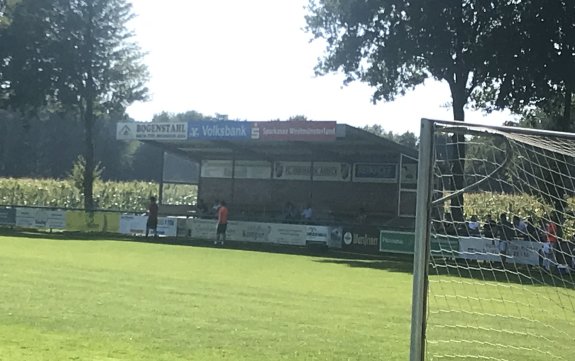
{"points": [[108, 195]]}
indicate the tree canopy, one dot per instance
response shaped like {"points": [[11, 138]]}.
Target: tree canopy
{"points": [[72, 56]]}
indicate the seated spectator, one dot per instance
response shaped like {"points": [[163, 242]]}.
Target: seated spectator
{"points": [[201, 207], [533, 233], [362, 216], [307, 213], [290, 214], [449, 225], [506, 234], [490, 227], [520, 228], [473, 227]]}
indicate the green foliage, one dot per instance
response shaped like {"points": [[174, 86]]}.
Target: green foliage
{"points": [[407, 139], [78, 171], [74, 56], [484, 203], [536, 47], [109, 195]]}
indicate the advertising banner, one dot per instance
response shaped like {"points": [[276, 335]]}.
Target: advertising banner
{"points": [[331, 171], [92, 222], [289, 234], [292, 170], [361, 239], [136, 225], [487, 249], [40, 218], [229, 130], [375, 172], [7, 216], [217, 169], [249, 232], [152, 131], [294, 131], [329, 235], [202, 229], [278, 233], [404, 242], [26, 217], [252, 169]]}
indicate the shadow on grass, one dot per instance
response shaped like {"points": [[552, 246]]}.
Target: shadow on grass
{"points": [[521, 275], [311, 250]]}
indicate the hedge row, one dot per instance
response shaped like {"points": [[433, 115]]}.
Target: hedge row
{"points": [[109, 195], [134, 196]]}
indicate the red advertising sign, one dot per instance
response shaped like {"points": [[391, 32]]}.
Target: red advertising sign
{"points": [[294, 130]]}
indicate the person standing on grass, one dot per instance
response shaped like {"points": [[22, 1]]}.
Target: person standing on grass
{"points": [[152, 222], [222, 224]]}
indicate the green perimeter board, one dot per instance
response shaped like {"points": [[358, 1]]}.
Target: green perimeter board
{"points": [[404, 242]]}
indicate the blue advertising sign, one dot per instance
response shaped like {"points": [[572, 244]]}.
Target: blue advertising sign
{"points": [[219, 130], [7, 216]]}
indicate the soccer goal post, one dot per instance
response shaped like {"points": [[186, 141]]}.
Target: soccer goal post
{"points": [[494, 244]]}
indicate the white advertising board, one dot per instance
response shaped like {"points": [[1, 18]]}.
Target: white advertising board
{"points": [[375, 172], [135, 224], [40, 218], [331, 236], [292, 170], [331, 171], [278, 233], [487, 249], [152, 131], [250, 169], [217, 169], [289, 234], [202, 228]]}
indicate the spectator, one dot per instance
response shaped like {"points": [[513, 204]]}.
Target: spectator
{"points": [[473, 227], [362, 216], [215, 207], [506, 234], [490, 227], [152, 222], [550, 244], [520, 227], [533, 234], [290, 214], [201, 207], [307, 213], [449, 225], [222, 224]]}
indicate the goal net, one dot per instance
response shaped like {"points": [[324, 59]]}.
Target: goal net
{"points": [[494, 274]]}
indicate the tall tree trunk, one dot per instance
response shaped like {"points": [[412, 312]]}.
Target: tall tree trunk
{"points": [[89, 118], [459, 96], [89, 155]]}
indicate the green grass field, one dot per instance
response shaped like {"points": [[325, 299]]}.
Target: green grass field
{"points": [[113, 300], [121, 300]]}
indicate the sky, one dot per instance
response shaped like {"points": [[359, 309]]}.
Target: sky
{"points": [[252, 60]]}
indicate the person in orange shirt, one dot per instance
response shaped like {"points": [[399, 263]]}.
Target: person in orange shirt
{"points": [[222, 224]]}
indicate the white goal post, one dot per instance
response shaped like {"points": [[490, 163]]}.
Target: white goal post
{"points": [[494, 265]]}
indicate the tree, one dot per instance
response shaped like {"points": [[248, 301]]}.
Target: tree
{"points": [[534, 74], [535, 67], [394, 45], [75, 55], [407, 139]]}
